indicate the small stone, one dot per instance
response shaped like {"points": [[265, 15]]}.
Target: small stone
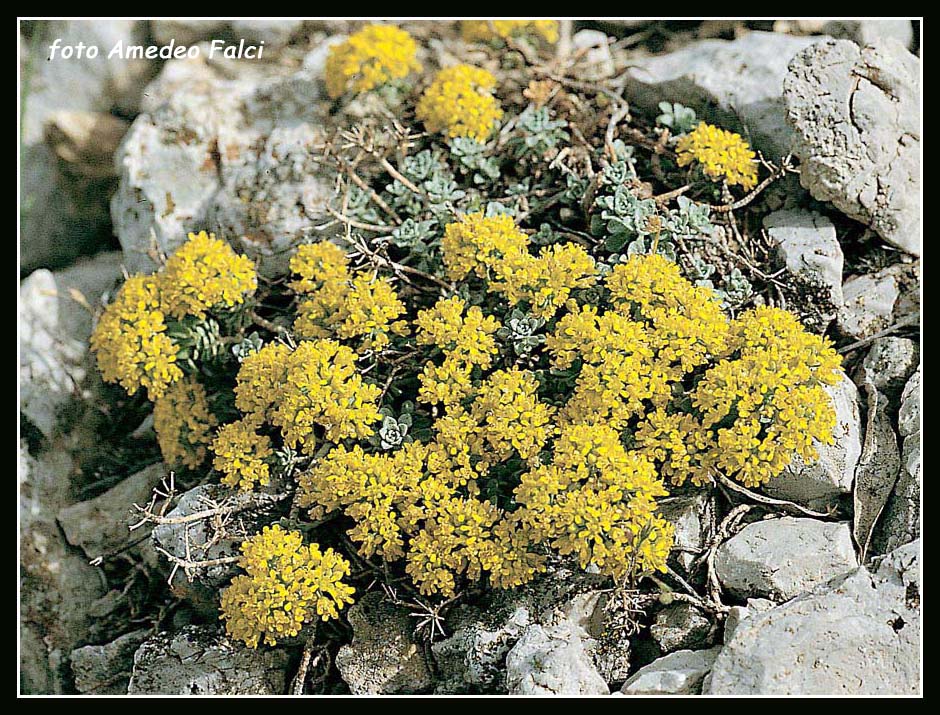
{"points": [[55, 326], [198, 660], [679, 673], [682, 626], [273, 33], [888, 365], [806, 245], [383, 657], [597, 62], [692, 517], [869, 303], [106, 669], [552, 661], [782, 558], [865, 32]]}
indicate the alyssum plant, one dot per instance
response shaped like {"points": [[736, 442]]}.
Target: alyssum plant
{"points": [[470, 377]]}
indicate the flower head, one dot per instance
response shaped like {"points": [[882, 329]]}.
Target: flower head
{"points": [[459, 103], [721, 154], [370, 58]]}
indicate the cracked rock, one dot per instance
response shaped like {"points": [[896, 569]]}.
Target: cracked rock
{"points": [[874, 301], [693, 518], [682, 626], [552, 660], [900, 521], [857, 635], [888, 365], [384, 657], [198, 660], [856, 112], [782, 558], [106, 669]]}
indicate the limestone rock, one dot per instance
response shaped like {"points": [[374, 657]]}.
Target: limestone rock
{"points": [[384, 657], [552, 661], [106, 669], [819, 484], [856, 113], [737, 84], [857, 635], [679, 673], [198, 660], [782, 558]]}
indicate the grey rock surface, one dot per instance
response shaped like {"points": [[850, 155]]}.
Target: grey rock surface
{"points": [[101, 525], [383, 657], [54, 328], [596, 57], [805, 243], [552, 660], [865, 32], [682, 626], [900, 521], [58, 587], [736, 83], [819, 484], [679, 673], [782, 558], [693, 518], [63, 216], [888, 365], [224, 148], [875, 301], [856, 112], [857, 635], [198, 660], [106, 669], [736, 614]]}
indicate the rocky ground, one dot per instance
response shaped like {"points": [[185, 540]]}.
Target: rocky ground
{"points": [[812, 586]]}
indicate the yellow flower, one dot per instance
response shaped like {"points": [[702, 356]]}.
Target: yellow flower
{"points": [[370, 58], [286, 585], [597, 502], [342, 304], [131, 343], [459, 103], [485, 30], [321, 388], [184, 423], [720, 153], [203, 274], [241, 454], [463, 334], [474, 243]]}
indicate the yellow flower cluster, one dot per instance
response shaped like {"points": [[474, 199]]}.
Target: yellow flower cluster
{"points": [[459, 103], [403, 508], [598, 502], [314, 385], [241, 454], [766, 402], [340, 303], [466, 338], [370, 58], [183, 423], [493, 248], [286, 584], [720, 153], [131, 340], [131, 343], [485, 30], [205, 273]]}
